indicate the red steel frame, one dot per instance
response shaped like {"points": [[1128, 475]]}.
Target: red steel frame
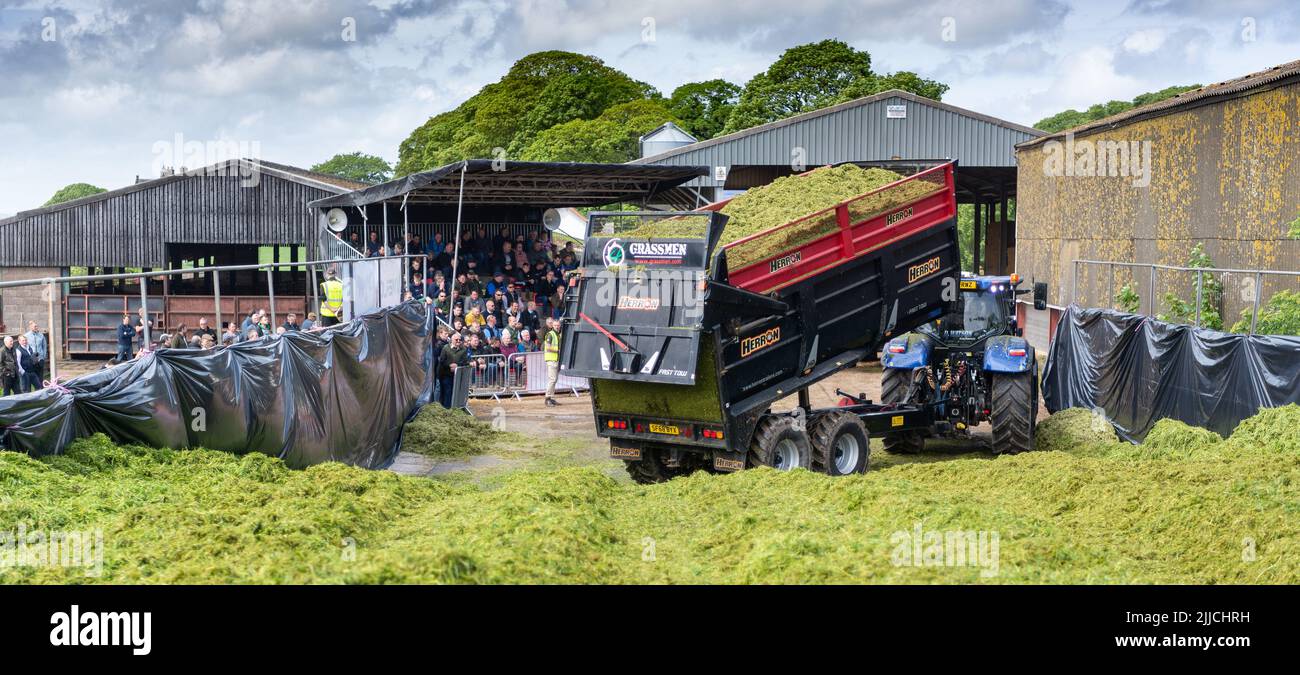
{"points": [[852, 239]]}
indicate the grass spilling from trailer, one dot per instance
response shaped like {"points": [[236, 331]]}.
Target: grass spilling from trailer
{"points": [[697, 402], [1098, 512], [792, 197], [439, 432]]}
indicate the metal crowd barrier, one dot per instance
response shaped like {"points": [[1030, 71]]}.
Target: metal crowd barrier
{"points": [[522, 374]]}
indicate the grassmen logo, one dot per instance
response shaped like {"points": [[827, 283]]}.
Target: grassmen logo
{"points": [[763, 340], [901, 215], [916, 273], [651, 251], [786, 261], [613, 253]]}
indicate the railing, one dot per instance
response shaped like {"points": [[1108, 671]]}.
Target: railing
{"points": [[1251, 286], [345, 265], [521, 374]]}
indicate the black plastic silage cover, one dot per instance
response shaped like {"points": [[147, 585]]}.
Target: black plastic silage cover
{"points": [[1140, 370], [339, 395]]}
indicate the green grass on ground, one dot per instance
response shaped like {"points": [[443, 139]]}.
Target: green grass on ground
{"points": [[1087, 509]]}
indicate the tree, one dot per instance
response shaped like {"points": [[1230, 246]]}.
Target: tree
{"points": [[540, 91], [1069, 119], [74, 191], [1211, 295], [610, 138], [356, 166], [806, 77], [704, 107], [815, 76]]}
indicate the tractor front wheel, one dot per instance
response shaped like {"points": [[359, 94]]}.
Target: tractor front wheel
{"points": [[1015, 413]]}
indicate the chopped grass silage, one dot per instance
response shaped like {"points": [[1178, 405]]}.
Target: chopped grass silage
{"points": [[697, 402], [789, 198], [1080, 515], [439, 432]]}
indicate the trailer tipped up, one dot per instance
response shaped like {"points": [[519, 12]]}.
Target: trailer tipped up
{"points": [[688, 344]]}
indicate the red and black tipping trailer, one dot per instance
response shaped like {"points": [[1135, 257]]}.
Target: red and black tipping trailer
{"points": [[689, 347]]}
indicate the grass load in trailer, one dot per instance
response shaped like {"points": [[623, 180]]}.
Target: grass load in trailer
{"points": [[689, 342]]}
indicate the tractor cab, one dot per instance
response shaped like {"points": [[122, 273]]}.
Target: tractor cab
{"points": [[985, 307]]}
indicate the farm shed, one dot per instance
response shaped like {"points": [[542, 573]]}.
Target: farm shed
{"points": [[234, 212], [1215, 166], [894, 129]]}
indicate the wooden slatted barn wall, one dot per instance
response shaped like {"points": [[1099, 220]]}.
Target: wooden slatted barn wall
{"points": [[130, 230]]}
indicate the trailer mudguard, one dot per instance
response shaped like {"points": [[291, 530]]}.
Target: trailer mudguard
{"points": [[915, 354], [998, 357]]}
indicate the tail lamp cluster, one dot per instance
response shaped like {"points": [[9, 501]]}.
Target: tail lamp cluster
{"points": [[616, 424], [715, 434]]}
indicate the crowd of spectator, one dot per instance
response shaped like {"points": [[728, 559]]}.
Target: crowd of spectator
{"points": [[24, 361]]}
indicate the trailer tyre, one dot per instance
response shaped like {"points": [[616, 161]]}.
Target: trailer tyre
{"points": [[893, 387], [1015, 413], [650, 469], [781, 443], [840, 444]]}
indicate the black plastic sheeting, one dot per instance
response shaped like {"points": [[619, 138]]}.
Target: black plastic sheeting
{"points": [[1140, 370], [338, 395]]}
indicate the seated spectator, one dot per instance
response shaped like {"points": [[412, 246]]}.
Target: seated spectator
{"points": [[204, 330], [291, 323], [373, 246], [310, 323], [252, 335], [490, 329], [526, 342], [231, 335], [208, 344], [474, 317]]}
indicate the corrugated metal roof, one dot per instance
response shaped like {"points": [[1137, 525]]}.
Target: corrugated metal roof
{"points": [[1211, 93], [859, 131]]}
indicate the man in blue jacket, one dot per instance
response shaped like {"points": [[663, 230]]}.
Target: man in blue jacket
{"points": [[125, 334]]}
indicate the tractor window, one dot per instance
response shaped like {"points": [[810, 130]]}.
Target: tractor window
{"points": [[980, 315]]}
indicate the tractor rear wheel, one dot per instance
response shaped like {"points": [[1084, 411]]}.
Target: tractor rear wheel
{"points": [[1015, 413], [840, 444], [893, 389], [781, 443]]}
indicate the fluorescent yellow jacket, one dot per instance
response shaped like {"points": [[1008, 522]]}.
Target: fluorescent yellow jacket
{"points": [[333, 304], [551, 346]]}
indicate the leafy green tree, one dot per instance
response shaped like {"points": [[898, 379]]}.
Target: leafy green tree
{"points": [[74, 191], [704, 107], [817, 75], [806, 77], [1069, 119], [539, 92], [1127, 300], [1279, 316], [610, 138], [356, 166]]}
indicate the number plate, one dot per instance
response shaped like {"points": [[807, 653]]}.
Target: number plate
{"points": [[970, 285], [666, 429]]}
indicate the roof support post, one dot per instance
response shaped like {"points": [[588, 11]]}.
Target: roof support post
{"points": [[455, 256]]}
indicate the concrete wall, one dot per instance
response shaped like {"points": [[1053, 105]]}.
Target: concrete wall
{"points": [[1226, 174], [29, 303]]}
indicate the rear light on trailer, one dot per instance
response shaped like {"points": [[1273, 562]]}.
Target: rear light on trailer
{"points": [[712, 433], [616, 424], [640, 428], [1015, 279], [1016, 352]]}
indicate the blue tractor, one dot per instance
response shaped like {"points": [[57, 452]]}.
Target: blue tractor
{"points": [[973, 364]]}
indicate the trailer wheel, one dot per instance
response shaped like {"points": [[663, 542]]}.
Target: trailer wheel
{"points": [[840, 444], [1015, 413], [781, 444], [893, 388], [650, 469]]}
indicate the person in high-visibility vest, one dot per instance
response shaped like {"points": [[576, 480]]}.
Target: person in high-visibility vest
{"points": [[331, 307], [551, 349]]}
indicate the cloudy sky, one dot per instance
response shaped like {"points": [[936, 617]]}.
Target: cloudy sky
{"points": [[100, 91]]}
